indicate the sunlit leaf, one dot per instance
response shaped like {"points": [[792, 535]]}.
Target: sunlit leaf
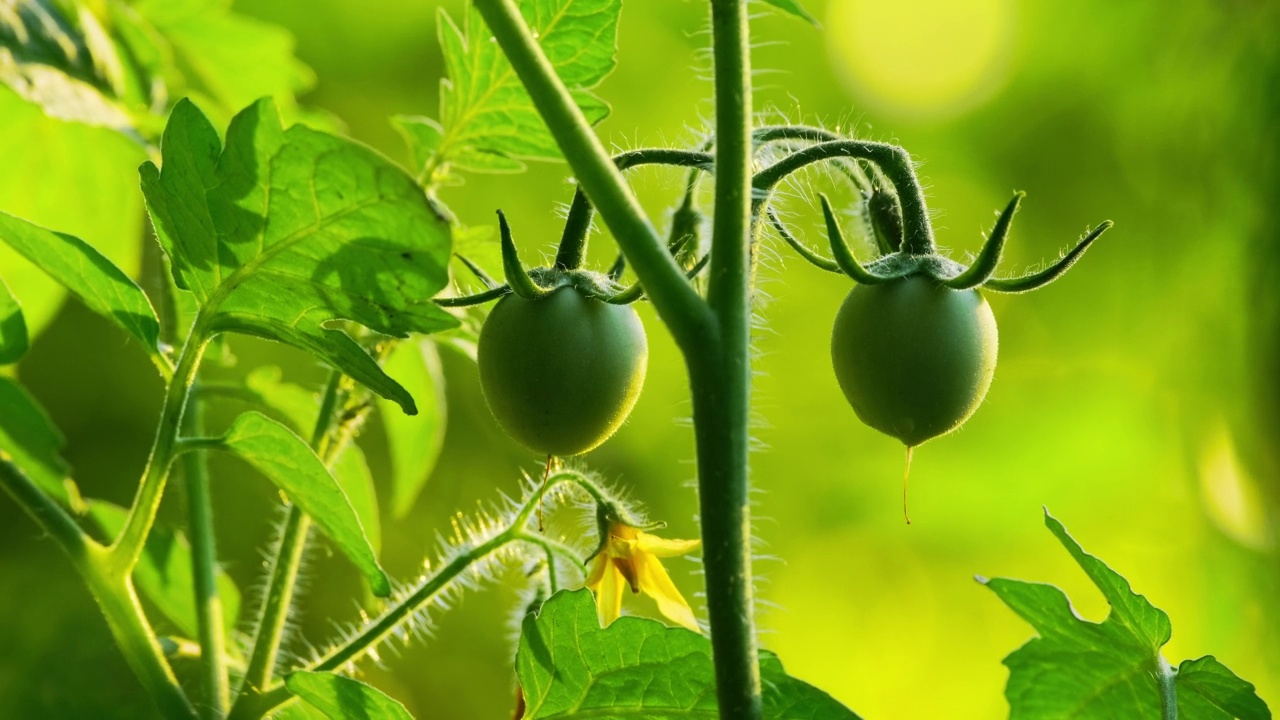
{"points": [[297, 405], [282, 233], [353, 476], [414, 440], [13, 328], [1107, 670], [488, 121], [793, 7], [638, 668], [286, 460], [88, 275], [342, 698], [164, 573], [30, 440]]}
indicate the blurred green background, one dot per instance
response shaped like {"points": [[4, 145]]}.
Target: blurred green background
{"points": [[1136, 398]]}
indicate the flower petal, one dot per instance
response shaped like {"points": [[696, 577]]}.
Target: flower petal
{"points": [[598, 566], [660, 547], [609, 595], [656, 583]]}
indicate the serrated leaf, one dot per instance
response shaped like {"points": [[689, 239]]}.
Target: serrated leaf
{"points": [[342, 698], [88, 275], [164, 573], [1108, 670], [352, 473], [638, 668], [414, 441], [795, 8], [30, 440], [288, 462], [489, 122], [282, 233], [13, 328]]}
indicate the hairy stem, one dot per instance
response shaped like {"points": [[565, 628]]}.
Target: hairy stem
{"points": [[287, 561], [891, 159], [204, 560], [1167, 675], [720, 377], [676, 301], [127, 548]]}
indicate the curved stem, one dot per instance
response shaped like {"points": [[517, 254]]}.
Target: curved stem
{"points": [[812, 257], [679, 305], [577, 225], [892, 160], [127, 548], [204, 568]]}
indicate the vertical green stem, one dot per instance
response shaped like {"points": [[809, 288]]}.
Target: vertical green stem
{"points": [[142, 514], [204, 567], [721, 379], [1167, 676]]}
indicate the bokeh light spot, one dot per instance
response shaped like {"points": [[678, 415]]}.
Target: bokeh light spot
{"points": [[922, 57]]}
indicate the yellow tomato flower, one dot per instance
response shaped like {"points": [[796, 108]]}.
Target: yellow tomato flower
{"points": [[631, 555]]}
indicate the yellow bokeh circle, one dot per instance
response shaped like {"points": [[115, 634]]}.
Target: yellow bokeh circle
{"points": [[922, 57]]}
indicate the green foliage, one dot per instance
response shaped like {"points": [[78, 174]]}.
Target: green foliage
{"points": [[488, 121], [1112, 669], [286, 460], [342, 698], [88, 275], [164, 575], [414, 441], [30, 440], [13, 328], [793, 7], [284, 232], [637, 668]]}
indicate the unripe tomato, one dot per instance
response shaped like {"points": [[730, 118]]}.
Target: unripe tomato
{"points": [[914, 358], [561, 373]]}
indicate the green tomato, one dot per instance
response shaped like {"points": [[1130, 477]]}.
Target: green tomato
{"points": [[561, 373], [913, 357]]}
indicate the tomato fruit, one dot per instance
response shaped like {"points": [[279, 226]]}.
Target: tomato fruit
{"points": [[562, 372], [913, 357]]}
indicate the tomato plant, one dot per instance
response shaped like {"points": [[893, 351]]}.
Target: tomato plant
{"points": [[265, 220]]}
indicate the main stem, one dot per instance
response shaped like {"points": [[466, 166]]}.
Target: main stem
{"points": [[720, 377]]}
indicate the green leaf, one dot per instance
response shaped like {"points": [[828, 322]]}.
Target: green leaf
{"points": [[1207, 689], [13, 328], [353, 476], [296, 404], [283, 233], [414, 441], [30, 440], [89, 275], [286, 460], [638, 668], [1107, 670], [163, 574], [489, 122], [342, 698], [795, 8]]}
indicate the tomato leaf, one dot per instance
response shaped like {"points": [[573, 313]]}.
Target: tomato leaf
{"points": [[795, 8], [1076, 668], [488, 121], [89, 275], [341, 697], [297, 405], [31, 442], [282, 233], [286, 460], [638, 668], [352, 473], [13, 328], [164, 575], [414, 441]]}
